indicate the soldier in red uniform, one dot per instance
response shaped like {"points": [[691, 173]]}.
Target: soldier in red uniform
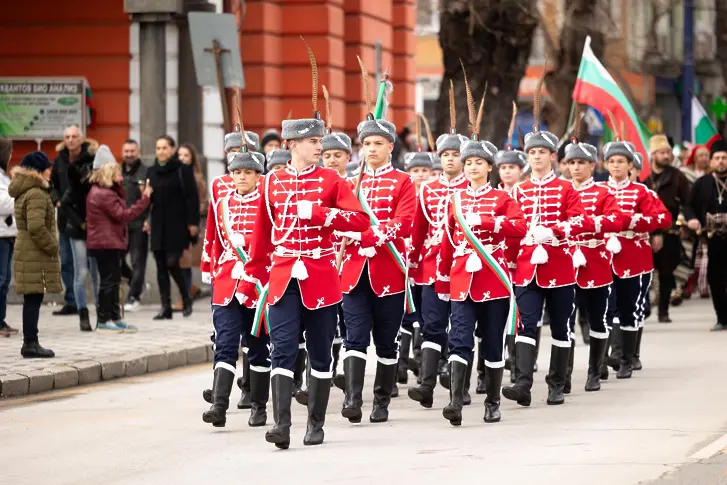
{"points": [[233, 305], [373, 272], [300, 207], [545, 274], [592, 257], [632, 262], [473, 273]]}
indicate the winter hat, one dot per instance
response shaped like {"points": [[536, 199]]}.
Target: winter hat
{"points": [[421, 158], [719, 145], [538, 138], [234, 140], [37, 161], [437, 163], [103, 155], [658, 142], [480, 148], [510, 155], [638, 160], [475, 147], [246, 160], [270, 135], [581, 151], [307, 127], [623, 148], [352, 169], [279, 156]]}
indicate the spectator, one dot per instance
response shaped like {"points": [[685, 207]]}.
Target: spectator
{"points": [[134, 181], [73, 205], [36, 266], [8, 233], [107, 216], [192, 256], [71, 148], [173, 221], [697, 164], [271, 141]]}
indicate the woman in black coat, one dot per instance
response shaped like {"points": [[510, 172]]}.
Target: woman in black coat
{"points": [[174, 220]]}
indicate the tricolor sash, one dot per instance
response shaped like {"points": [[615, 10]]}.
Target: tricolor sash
{"points": [[490, 262]]}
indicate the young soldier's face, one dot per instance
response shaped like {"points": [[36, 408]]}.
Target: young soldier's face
{"points": [[336, 159], [308, 149], [618, 167], [510, 174], [580, 170], [451, 164], [245, 179], [377, 149], [477, 169], [540, 159], [435, 174], [419, 175]]}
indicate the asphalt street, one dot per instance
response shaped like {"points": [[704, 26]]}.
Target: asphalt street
{"points": [[665, 426]]}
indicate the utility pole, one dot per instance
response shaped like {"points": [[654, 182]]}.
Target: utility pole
{"points": [[688, 76]]}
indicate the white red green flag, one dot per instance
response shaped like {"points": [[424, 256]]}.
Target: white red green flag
{"points": [[703, 130]]}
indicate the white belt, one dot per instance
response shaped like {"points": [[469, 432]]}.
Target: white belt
{"points": [[464, 251], [316, 253], [591, 243], [530, 241], [632, 235]]}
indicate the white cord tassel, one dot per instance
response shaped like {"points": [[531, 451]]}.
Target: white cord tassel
{"points": [[540, 255], [613, 244], [299, 271], [473, 264], [238, 271], [367, 252], [237, 240], [579, 259]]}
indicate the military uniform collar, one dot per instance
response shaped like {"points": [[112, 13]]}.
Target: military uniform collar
{"points": [[383, 170], [549, 177]]}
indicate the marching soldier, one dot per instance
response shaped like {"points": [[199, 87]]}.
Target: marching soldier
{"points": [[300, 207], [374, 270], [233, 309], [473, 272], [632, 263], [545, 274]]}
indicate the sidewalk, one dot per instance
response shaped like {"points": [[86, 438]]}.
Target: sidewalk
{"points": [[88, 357]]}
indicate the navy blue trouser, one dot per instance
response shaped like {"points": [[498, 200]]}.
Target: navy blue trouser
{"points": [[232, 321], [596, 302], [287, 317], [612, 310], [409, 319], [491, 318], [560, 303], [631, 293], [435, 317], [341, 327], [366, 313]]}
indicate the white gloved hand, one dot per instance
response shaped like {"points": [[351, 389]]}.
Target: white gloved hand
{"points": [[542, 234], [206, 278], [305, 209], [473, 219], [356, 236], [443, 297]]}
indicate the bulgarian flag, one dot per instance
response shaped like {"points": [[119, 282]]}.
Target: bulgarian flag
{"points": [[703, 130], [596, 87]]}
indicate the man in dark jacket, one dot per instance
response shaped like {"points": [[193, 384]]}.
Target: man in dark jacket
{"points": [[134, 173]]}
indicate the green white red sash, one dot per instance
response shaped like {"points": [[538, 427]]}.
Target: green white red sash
{"points": [[491, 263], [262, 291], [391, 249]]}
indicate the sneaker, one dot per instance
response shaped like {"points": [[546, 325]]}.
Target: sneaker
{"points": [[108, 327], [125, 326], [718, 327], [66, 310], [132, 306], [6, 330]]}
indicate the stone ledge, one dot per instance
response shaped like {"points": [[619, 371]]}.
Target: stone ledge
{"points": [[89, 372], [63, 376], [39, 381], [13, 385]]}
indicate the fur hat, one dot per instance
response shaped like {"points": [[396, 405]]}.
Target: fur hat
{"points": [[478, 148], [279, 156], [514, 157], [270, 135], [623, 148], [37, 161], [234, 140], [103, 155], [449, 141], [246, 160], [352, 169], [638, 161], [658, 142], [376, 127], [436, 163], [719, 145], [336, 141], [581, 151], [418, 159]]}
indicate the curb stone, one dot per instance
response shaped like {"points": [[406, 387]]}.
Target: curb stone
{"points": [[14, 385], [64, 376], [39, 381], [197, 355], [157, 362], [89, 372], [176, 357], [135, 365]]}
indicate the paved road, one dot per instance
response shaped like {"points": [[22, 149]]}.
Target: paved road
{"points": [[148, 430]]}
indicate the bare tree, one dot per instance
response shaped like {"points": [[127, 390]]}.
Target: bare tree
{"points": [[493, 39]]}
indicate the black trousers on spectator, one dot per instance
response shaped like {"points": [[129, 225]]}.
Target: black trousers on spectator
{"points": [[31, 314], [717, 276], [665, 263], [109, 271], [168, 264], [138, 252]]}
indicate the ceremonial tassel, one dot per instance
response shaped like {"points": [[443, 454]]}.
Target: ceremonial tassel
{"points": [[237, 240], [579, 259], [314, 69], [613, 244], [540, 255], [536, 98], [511, 130], [473, 264], [299, 271], [452, 110], [329, 122], [430, 137], [238, 271]]}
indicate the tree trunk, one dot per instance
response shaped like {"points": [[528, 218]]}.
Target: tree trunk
{"points": [[721, 35], [493, 40], [581, 20]]}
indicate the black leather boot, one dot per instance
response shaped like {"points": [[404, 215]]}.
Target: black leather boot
{"points": [[569, 368], [443, 372], [628, 347], [637, 353], [243, 382], [424, 393], [453, 410], [584, 324], [259, 392], [207, 393], [300, 368], [164, 314], [282, 393], [481, 386], [524, 359], [510, 346], [538, 333], [404, 347], [467, 399], [217, 414], [85, 320], [415, 362], [301, 396], [614, 359], [595, 361], [493, 382], [355, 371], [33, 350], [604, 361], [336, 358], [556, 374], [512, 355], [318, 392], [383, 384]]}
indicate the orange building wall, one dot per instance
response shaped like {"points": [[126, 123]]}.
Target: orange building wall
{"points": [[277, 70], [85, 38]]}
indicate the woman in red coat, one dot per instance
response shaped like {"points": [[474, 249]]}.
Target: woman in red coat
{"points": [[107, 236]]}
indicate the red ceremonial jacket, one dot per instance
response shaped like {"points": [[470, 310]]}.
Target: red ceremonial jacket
{"points": [[302, 248], [500, 217], [428, 229], [552, 203], [512, 244], [607, 217], [234, 217], [222, 186], [391, 196], [645, 213]]}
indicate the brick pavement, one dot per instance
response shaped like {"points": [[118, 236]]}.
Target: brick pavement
{"points": [[83, 358]]}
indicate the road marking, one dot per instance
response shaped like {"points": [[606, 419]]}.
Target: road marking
{"points": [[718, 445]]}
